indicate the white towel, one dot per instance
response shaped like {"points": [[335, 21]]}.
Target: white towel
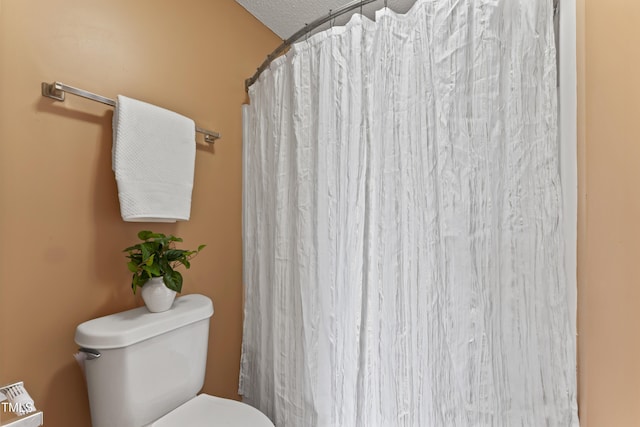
{"points": [[153, 159]]}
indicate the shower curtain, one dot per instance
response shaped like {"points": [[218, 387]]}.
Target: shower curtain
{"points": [[403, 224]]}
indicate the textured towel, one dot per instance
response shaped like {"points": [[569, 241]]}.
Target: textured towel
{"points": [[153, 159]]}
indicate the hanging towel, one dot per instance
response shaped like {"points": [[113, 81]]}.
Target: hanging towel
{"points": [[153, 159]]}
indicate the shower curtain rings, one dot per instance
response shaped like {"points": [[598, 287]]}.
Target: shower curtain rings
{"points": [[303, 34]]}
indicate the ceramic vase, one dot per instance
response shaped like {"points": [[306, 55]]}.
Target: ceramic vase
{"points": [[156, 296]]}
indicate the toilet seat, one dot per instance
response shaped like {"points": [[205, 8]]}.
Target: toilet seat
{"points": [[210, 411]]}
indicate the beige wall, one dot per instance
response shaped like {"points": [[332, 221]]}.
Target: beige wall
{"points": [[61, 234], [609, 229]]}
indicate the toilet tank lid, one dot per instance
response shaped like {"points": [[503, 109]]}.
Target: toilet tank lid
{"points": [[132, 326]]}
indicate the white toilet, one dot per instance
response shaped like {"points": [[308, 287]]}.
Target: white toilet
{"points": [[145, 369]]}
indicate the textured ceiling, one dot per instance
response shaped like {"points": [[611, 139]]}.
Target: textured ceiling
{"points": [[285, 17]]}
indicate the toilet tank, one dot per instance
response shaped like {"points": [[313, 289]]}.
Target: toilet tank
{"points": [[149, 363]]}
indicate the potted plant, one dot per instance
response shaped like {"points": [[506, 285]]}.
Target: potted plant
{"points": [[153, 263]]}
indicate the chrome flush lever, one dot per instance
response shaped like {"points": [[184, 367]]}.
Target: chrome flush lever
{"points": [[91, 353]]}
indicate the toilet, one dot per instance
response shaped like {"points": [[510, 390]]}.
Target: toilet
{"points": [[145, 370]]}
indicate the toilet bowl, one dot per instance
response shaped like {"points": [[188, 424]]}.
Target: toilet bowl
{"points": [[145, 370]]}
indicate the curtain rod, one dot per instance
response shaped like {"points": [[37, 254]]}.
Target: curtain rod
{"points": [[315, 24], [302, 32], [56, 90]]}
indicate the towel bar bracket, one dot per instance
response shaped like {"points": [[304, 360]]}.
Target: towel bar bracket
{"points": [[209, 136], [50, 91], [56, 90]]}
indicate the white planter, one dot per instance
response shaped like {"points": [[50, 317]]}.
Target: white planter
{"points": [[156, 296]]}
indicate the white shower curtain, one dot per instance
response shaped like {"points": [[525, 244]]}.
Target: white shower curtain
{"points": [[403, 242]]}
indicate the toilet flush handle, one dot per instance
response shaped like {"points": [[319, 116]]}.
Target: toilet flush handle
{"points": [[91, 353]]}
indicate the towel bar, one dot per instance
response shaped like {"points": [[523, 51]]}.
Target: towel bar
{"points": [[56, 90]]}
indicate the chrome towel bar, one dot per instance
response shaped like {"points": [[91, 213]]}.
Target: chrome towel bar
{"points": [[56, 90]]}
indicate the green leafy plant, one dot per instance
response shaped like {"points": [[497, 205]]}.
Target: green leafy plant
{"points": [[157, 256]]}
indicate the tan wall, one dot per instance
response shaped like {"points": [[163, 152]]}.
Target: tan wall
{"points": [[609, 230], [61, 234]]}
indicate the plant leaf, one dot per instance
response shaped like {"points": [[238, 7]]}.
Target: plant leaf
{"points": [[148, 248], [154, 270], [144, 234], [175, 254], [173, 280], [137, 281], [132, 266], [136, 258], [201, 247], [165, 267]]}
